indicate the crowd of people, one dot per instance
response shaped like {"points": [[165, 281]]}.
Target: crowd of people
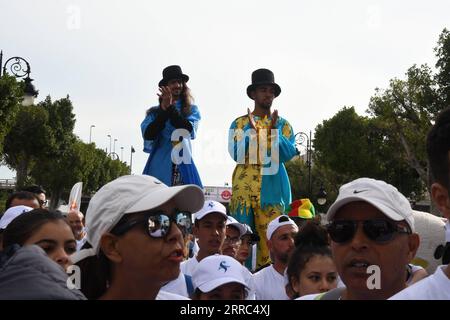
{"points": [[154, 236]]}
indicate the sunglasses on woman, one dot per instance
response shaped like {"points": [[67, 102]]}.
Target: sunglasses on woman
{"points": [[377, 230], [158, 223]]}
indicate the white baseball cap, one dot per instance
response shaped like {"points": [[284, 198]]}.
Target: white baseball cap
{"points": [[211, 206], [11, 214], [381, 195], [279, 222], [234, 223], [134, 193], [216, 270]]}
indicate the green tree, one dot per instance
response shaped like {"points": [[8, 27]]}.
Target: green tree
{"points": [[298, 177], [10, 97], [442, 51], [406, 111], [81, 162], [28, 140], [342, 143], [349, 146]]}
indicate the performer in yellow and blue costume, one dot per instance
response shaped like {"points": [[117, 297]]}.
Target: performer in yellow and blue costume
{"points": [[257, 196]]}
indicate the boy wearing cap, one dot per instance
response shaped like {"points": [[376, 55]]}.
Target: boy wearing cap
{"points": [[437, 285], [219, 277], [233, 234], [260, 142], [271, 281], [209, 229], [372, 235], [170, 158]]}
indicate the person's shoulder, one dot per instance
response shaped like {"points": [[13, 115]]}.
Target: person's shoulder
{"points": [[151, 110], [242, 118], [164, 295], [433, 287], [262, 267], [313, 296], [262, 272], [283, 121]]}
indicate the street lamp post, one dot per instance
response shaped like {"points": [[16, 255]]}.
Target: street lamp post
{"points": [[20, 68], [90, 132], [300, 139], [322, 196], [114, 148], [131, 160], [109, 136], [121, 153]]}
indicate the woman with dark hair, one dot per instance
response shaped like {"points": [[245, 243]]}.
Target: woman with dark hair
{"points": [[311, 268], [168, 130], [134, 233], [47, 229]]}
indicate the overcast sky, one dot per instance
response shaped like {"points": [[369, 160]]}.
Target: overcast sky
{"points": [[108, 55]]}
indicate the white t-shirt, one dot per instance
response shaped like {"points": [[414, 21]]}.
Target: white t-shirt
{"points": [[163, 295], [270, 285], [187, 267], [80, 243], [433, 287], [248, 276], [177, 286]]}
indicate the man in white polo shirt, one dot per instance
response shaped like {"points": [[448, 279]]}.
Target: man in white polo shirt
{"points": [[209, 229], [436, 286], [270, 282]]}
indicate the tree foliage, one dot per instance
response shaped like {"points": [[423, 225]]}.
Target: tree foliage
{"points": [[442, 52], [349, 146], [28, 140], [10, 97], [43, 149]]}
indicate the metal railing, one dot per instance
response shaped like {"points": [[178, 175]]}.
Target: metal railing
{"points": [[7, 183]]}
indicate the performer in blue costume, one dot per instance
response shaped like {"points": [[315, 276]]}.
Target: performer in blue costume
{"points": [[168, 129]]}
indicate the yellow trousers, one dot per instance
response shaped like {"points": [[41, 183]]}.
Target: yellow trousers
{"points": [[262, 218]]}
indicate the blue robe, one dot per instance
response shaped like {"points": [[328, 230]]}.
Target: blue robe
{"points": [[159, 163]]}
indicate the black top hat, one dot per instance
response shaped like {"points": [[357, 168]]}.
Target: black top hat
{"points": [[263, 77], [172, 72]]}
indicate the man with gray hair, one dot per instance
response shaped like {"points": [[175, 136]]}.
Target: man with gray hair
{"points": [[372, 240], [75, 219]]}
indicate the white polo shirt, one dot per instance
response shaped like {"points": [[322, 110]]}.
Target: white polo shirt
{"points": [[177, 286], [270, 284], [187, 267], [433, 287]]}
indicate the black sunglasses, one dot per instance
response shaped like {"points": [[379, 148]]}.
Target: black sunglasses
{"points": [[158, 223], [341, 231]]}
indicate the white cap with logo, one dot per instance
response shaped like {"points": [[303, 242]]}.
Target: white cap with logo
{"points": [[216, 270], [232, 222], [381, 195], [211, 206], [279, 222]]}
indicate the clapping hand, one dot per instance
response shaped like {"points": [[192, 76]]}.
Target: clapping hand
{"points": [[166, 97], [274, 117]]}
